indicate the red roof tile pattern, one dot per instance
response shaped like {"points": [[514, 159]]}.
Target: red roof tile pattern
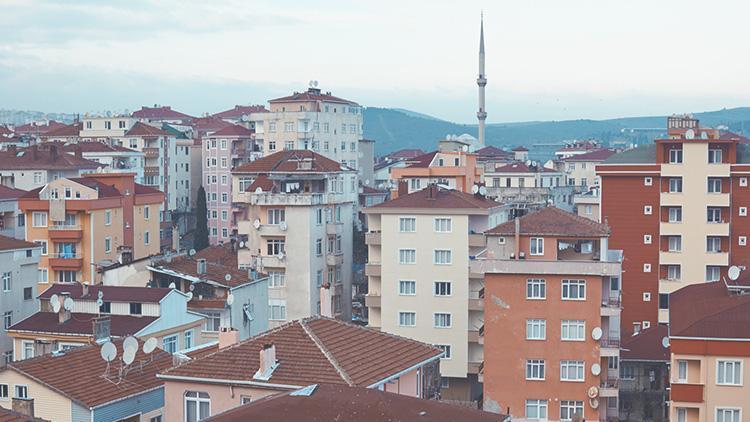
{"points": [[262, 182], [312, 94], [519, 149], [341, 403], [492, 152], [220, 261], [104, 190], [142, 129], [405, 153], [709, 310], [421, 161], [442, 198], [78, 374], [646, 345], [66, 131], [34, 129], [7, 193], [594, 155], [146, 190], [552, 221], [5, 131], [232, 130], [238, 111], [290, 161], [160, 113], [111, 293], [34, 158], [363, 355], [731, 136], [11, 416], [81, 324], [519, 167], [205, 125], [10, 243], [95, 146]]}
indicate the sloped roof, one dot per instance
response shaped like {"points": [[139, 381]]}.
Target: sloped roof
{"points": [[709, 310], [10, 193], [111, 293], [220, 261], [64, 131], [363, 355], [232, 130], [520, 167], [552, 221], [593, 155], [5, 132], [329, 402], [142, 129], [644, 154], [311, 94], [11, 416], [239, 111], [491, 151], [520, 148], [146, 190], [262, 182], [203, 125], [443, 199], [78, 374], [421, 161], [405, 153], [11, 243], [43, 159], [37, 129], [160, 113], [95, 146], [646, 345], [288, 161], [81, 324]]}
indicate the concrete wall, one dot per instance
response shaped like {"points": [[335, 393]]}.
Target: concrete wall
{"points": [[24, 275]]}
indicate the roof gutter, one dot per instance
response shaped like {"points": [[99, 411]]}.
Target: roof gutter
{"points": [[709, 338], [223, 381], [409, 369], [126, 397]]}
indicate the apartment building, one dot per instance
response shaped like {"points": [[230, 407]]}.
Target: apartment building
{"points": [[576, 147], [708, 339], [160, 114], [452, 165], [12, 220], [18, 282], [551, 330], [32, 167], [104, 128], [678, 208], [419, 283], [294, 212], [644, 376], [88, 222], [247, 116], [65, 134], [114, 158], [580, 169], [224, 150]]}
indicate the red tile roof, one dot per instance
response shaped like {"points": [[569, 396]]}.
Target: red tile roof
{"points": [[519, 149], [312, 94], [491, 152], [646, 345], [65, 131], [81, 324], [289, 161], [519, 167], [552, 221], [10, 193], [442, 199], [146, 190], [232, 130], [363, 356], [160, 113], [709, 310], [341, 403], [405, 153], [220, 261], [593, 155], [11, 416], [421, 161], [79, 374], [10, 243], [142, 129], [5, 132], [262, 182], [111, 293], [104, 190], [238, 111], [43, 159], [37, 129], [94, 146]]}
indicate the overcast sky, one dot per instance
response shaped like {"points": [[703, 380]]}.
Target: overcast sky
{"points": [[546, 59]]}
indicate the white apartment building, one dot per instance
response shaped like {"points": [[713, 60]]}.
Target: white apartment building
{"points": [[419, 281], [103, 128], [294, 216]]}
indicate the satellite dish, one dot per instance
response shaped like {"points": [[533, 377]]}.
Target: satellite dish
{"points": [[190, 296], [55, 302], [367, 181], [256, 224], [665, 342], [282, 226], [593, 392], [228, 277], [483, 190], [465, 148], [192, 287], [281, 255], [594, 403], [242, 243], [149, 345], [689, 134], [258, 190], [475, 189], [315, 83], [130, 344], [100, 295], [733, 272], [99, 302], [230, 299], [128, 356], [68, 304], [169, 259], [596, 333], [191, 252], [596, 369], [108, 351], [172, 286]]}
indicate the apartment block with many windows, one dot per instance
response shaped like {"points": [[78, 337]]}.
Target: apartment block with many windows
{"points": [[294, 211], [551, 330], [419, 283], [678, 208]]}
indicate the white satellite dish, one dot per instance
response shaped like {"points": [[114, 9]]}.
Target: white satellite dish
{"points": [[68, 304], [108, 351], [689, 134], [367, 181], [315, 83], [228, 277], [128, 356], [172, 286], [596, 369], [528, 162], [230, 299], [282, 256], [55, 302], [475, 189], [256, 224], [100, 295], [190, 296], [594, 403], [733, 272], [191, 252], [258, 190], [242, 243], [483, 190], [596, 333], [149, 345], [665, 342], [283, 226], [192, 287], [130, 344], [99, 302]]}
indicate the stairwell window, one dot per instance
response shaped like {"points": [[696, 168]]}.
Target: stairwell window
{"points": [[536, 246]]}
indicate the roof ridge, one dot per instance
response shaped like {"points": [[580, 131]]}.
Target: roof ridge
{"points": [[326, 353]]}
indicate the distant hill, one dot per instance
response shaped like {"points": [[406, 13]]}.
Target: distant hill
{"points": [[394, 129]]}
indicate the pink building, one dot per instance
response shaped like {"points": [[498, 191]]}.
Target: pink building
{"points": [[295, 355], [224, 150]]}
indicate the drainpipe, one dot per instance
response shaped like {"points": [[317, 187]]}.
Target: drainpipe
{"points": [[518, 238]]}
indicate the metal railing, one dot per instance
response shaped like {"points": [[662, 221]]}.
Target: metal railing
{"points": [[610, 342], [612, 301], [65, 255], [609, 383], [64, 227]]}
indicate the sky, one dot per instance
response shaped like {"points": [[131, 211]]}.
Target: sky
{"points": [[546, 59]]}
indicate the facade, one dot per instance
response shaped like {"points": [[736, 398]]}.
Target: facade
{"points": [[580, 169], [551, 330], [65, 134], [419, 283], [644, 376], [224, 150], [12, 221], [588, 204], [295, 211], [83, 223], [104, 128], [573, 148], [32, 167], [18, 287], [309, 351], [366, 162], [678, 208], [114, 158]]}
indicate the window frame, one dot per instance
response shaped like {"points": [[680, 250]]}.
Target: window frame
{"points": [[535, 365], [578, 283], [536, 246], [578, 365], [533, 324], [402, 227], [573, 325], [402, 283], [539, 284], [733, 363], [404, 314]]}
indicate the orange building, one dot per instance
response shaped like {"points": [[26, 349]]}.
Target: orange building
{"points": [[83, 223], [551, 318]]}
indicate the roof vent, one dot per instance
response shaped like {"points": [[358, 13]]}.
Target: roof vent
{"points": [[268, 362], [201, 266]]}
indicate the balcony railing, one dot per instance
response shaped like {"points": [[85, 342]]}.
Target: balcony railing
{"points": [[610, 342], [150, 152], [65, 227], [609, 383], [612, 301], [64, 255]]}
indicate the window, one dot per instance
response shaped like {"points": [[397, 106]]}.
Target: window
{"points": [[714, 156], [443, 257], [536, 289], [224, 215], [713, 215], [4, 391], [674, 272], [675, 185], [743, 181], [407, 224], [146, 238], [682, 370], [675, 214], [675, 243], [574, 290], [319, 247], [743, 211], [38, 178], [571, 370], [28, 293], [276, 279], [729, 372], [573, 330], [407, 256], [146, 212], [570, 408], [135, 309], [742, 240], [213, 321], [727, 415], [21, 392], [27, 350], [105, 308], [107, 217], [627, 372], [416, 184], [275, 247], [197, 406], [648, 210], [277, 311], [442, 288], [7, 319], [536, 329], [407, 287], [675, 156], [442, 320], [663, 300], [407, 319], [648, 181], [536, 409], [713, 273], [713, 244], [276, 216], [7, 281], [646, 268], [646, 298], [107, 244], [446, 348], [537, 246], [39, 219], [155, 419], [714, 185], [170, 344], [443, 225], [535, 369], [646, 239]]}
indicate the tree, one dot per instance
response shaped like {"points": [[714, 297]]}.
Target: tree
{"points": [[201, 221]]}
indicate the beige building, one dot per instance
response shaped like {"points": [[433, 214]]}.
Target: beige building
{"points": [[103, 128], [419, 281]]}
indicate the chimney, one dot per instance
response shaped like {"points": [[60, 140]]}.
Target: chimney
{"points": [[64, 315], [403, 187], [228, 337], [201, 266], [267, 362], [77, 151], [518, 238], [53, 152], [84, 289], [12, 149], [325, 300], [23, 406], [432, 192], [34, 152]]}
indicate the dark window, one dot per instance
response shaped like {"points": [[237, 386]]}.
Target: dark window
{"points": [[29, 253], [105, 308], [135, 309], [27, 293], [663, 301]]}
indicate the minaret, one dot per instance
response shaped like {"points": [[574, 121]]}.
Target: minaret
{"points": [[481, 82]]}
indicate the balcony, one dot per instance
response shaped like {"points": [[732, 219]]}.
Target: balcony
{"points": [[609, 387], [65, 261], [271, 199], [150, 152], [474, 336], [476, 300], [373, 238], [334, 228], [373, 269], [151, 171], [474, 367], [481, 334], [272, 261], [477, 241], [271, 230], [334, 259], [512, 266], [611, 306], [65, 232], [372, 300], [687, 393]]}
